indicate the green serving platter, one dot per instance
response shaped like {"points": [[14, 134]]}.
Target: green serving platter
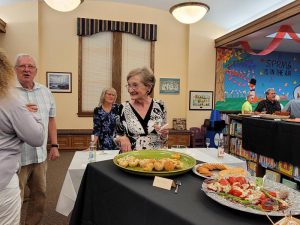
{"points": [[188, 162]]}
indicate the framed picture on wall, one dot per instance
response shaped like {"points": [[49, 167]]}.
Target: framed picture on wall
{"points": [[169, 86], [201, 100], [179, 123], [59, 82]]}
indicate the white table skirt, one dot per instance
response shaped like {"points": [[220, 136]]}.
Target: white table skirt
{"points": [[73, 178], [77, 167]]}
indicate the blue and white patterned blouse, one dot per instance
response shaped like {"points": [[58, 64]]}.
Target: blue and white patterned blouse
{"points": [[104, 126]]}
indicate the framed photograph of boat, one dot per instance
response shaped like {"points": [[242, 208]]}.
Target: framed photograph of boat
{"points": [[59, 82]]}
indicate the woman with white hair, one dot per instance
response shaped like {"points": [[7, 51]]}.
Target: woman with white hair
{"points": [[143, 120], [17, 125], [104, 121]]}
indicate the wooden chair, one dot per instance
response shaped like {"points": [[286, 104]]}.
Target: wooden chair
{"points": [[197, 137]]}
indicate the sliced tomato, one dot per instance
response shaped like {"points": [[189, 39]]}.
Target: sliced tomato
{"points": [[231, 180], [223, 182], [262, 196], [241, 180], [235, 192]]}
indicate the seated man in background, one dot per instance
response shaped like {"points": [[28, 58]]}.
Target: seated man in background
{"points": [[293, 107], [247, 107], [269, 105]]}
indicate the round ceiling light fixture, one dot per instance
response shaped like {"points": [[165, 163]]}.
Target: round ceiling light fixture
{"points": [[189, 12], [63, 5]]}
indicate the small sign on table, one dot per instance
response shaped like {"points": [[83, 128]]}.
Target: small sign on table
{"points": [[164, 183]]}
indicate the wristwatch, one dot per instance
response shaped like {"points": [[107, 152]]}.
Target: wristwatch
{"points": [[55, 145]]}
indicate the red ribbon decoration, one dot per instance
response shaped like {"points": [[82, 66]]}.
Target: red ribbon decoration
{"points": [[275, 42]]}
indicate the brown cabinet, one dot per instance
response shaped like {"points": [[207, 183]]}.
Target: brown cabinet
{"points": [[80, 141], [179, 137], [64, 141], [73, 139]]}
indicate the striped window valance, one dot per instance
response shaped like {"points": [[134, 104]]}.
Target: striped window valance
{"points": [[86, 27]]}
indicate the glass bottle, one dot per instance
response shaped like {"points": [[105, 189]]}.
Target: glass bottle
{"points": [[92, 150], [221, 152]]}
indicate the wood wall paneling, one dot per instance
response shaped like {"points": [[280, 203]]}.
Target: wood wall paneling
{"points": [[79, 139]]}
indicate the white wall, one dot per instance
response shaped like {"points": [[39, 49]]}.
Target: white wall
{"points": [[202, 60]]}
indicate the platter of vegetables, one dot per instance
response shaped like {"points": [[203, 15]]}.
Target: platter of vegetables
{"points": [[246, 194]]}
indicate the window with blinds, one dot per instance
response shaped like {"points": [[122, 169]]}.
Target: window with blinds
{"points": [[135, 54], [105, 59], [96, 68]]}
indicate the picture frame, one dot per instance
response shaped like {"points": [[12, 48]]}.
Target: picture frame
{"points": [[59, 82], [201, 100], [169, 86], [179, 124]]}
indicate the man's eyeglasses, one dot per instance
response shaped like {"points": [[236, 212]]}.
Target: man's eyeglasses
{"points": [[23, 67], [133, 86]]}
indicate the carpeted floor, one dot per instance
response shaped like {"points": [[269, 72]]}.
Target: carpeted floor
{"points": [[55, 178]]}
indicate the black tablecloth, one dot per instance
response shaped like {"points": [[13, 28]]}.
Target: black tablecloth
{"points": [[259, 135], [276, 139], [288, 143], [109, 196]]}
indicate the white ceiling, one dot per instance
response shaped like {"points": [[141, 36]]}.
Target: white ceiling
{"points": [[229, 14]]}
